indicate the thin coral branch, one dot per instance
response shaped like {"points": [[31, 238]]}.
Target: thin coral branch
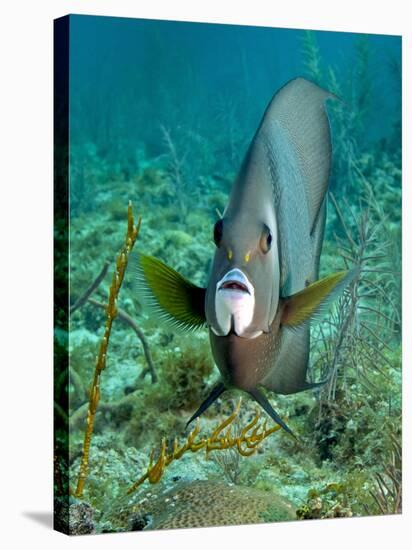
{"points": [[246, 443], [111, 312], [89, 291], [175, 167], [123, 316], [342, 220], [387, 492], [311, 57], [113, 408]]}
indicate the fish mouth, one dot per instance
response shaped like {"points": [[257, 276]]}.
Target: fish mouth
{"points": [[234, 285], [235, 281]]}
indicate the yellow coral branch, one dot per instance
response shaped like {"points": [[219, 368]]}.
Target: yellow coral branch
{"points": [[111, 312], [246, 443]]}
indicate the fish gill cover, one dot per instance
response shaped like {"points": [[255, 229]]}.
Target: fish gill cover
{"points": [[162, 114]]}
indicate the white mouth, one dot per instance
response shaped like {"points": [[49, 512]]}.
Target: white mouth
{"points": [[234, 298], [235, 281]]}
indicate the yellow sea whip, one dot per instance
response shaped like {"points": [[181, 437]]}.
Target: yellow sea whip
{"points": [[246, 443], [111, 312]]}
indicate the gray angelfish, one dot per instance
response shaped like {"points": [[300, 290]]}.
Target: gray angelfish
{"points": [[263, 288]]}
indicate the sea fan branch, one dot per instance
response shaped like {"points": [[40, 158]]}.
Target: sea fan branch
{"points": [[111, 312], [246, 443]]}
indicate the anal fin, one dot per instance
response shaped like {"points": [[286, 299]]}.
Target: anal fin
{"points": [[263, 401]]}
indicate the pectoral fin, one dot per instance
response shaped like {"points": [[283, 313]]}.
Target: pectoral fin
{"points": [[170, 295], [314, 300]]}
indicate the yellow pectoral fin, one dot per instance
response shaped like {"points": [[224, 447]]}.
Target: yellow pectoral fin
{"points": [[315, 299], [169, 294]]}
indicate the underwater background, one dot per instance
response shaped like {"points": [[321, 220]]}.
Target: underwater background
{"points": [[161, 114]]}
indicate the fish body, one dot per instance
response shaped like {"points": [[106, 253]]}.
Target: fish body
{"points": [[263, 287], [244, 363], [281, 187]]}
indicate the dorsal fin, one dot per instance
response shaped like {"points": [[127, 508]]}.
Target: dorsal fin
{"points": [[299, 108]]}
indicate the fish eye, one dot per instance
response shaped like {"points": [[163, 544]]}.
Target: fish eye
{"points": [[266, 240], [218, 232]]}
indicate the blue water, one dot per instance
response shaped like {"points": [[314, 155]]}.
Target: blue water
{"points": [[129, 76]]}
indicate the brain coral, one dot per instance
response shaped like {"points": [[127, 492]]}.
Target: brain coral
{"points": [[208, 503]]}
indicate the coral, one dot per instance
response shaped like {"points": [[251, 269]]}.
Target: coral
{"points": [[245, 443], [360, 329], [125, 317], [81, 519], [207, 503], [357, 431], [121, 264], [330, 502], [91, 288], [176, 169], [311, 57], [228, 461], [387, 490]]}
